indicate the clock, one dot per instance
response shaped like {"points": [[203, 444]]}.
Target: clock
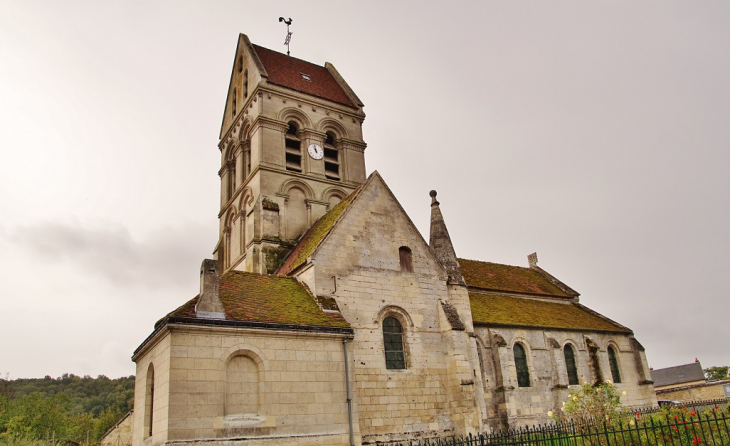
{"points": [[315, 151]]}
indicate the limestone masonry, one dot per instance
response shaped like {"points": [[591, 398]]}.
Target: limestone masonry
{"points": [[326, 318]]}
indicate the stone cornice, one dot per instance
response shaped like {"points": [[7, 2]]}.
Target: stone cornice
{"points": [[269, 91]]}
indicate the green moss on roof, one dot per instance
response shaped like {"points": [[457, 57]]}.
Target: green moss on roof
{"points": [[254, 297], [507, 278], [314, 236], [527, 312]]}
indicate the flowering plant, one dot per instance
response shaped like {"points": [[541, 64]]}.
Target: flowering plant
{"points": [[590, 403]]}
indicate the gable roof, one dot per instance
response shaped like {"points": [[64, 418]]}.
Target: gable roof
{"points": [[286, 71], [678, 374], [250, 297], [315, 235], [507, 278], [490, 309]]}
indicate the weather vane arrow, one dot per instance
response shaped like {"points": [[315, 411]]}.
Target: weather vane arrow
{"points": [[288, 33]]}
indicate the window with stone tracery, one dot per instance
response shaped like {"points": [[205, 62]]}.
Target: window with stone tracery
{"points": [[395, 357], [523, 373], [570, 365], [614, 365]]}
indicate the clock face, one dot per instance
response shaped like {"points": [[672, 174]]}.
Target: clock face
{"points": [[315, 151]]}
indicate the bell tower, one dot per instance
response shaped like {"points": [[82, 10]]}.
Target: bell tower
{"points": [[291, 147]]}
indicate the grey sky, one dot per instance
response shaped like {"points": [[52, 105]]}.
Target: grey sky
{"points": [[595, 133]]}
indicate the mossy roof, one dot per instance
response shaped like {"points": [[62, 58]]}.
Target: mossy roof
{"points": [[315, 235], [250, 297], [507, 278], [490, 309]]}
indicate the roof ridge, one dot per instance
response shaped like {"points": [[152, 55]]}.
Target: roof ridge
{"points": [[303, 250], [495, 263]]}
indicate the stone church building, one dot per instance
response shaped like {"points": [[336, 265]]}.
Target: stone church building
{"points": [[326, 317]]}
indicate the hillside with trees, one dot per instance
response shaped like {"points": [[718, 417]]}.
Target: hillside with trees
{"points": [[66, 409]]}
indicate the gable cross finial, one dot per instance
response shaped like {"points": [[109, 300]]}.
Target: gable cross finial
{"points": [[288, 33]]}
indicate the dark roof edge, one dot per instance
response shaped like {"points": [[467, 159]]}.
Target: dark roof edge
{"points": [[343, 84], [476, 289], [552, 279], [597, 314], [591, 330], [242, 324]]}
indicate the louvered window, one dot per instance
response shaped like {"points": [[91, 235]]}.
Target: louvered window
{"points": [[393, 341], [523, 374], [614, 365], [570, 365], [331, 158], [293, 149]]}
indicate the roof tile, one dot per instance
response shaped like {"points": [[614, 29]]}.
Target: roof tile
{"points": [[287, 71], [507, 278], [315, 235], [254, 297], [528, 312]]}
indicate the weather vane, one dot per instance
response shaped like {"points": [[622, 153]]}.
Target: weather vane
{"points": [[288, 33]]}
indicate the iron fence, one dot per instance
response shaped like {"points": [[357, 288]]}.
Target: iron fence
{"points": [[681, 427]]}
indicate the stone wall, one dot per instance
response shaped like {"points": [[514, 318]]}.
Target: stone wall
{"points": [[121, 434], [697, 392], [233, 383], [359, 266], [508, 403]]}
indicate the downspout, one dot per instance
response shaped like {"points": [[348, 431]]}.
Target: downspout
{"points": [[349, 395]]}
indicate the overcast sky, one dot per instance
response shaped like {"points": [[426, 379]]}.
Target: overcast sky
{"points": [[595, 133]]}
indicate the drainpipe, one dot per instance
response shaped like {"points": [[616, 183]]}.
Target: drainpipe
{"points": [[349, 395]]}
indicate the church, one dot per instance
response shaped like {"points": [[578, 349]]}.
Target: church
{"points": [[325, 317]]}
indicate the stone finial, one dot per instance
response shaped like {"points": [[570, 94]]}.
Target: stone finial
{"points": [[209, 304], [532, 259], [434, 202], [440, 243]]}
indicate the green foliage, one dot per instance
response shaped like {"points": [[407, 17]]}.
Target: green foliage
{"points": [[69, 409], [716, 373], [589, 403]]}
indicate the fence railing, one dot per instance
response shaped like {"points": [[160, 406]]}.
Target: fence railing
{"points": [[680, 427]]}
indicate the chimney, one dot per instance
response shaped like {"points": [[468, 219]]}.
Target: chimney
{"points": [[209, 304], [440, 243]]}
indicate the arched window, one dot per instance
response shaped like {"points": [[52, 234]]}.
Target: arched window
{"points": [[614, 365], [523, 374], [234, 102], [331, 158], [570, 365], [149, 401], [393, 340], [240, 63], [245, 83], [406, 259], [293, 148]]}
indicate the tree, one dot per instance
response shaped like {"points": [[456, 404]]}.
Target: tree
{"points": [[716, 373]]}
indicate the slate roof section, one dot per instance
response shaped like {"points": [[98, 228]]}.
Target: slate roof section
{"points": [[249, 297], [315, 235], [678, 374], [507, 278], [526, 312], [286, 71]]}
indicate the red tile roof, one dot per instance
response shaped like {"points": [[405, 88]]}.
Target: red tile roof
{"points": [[507, 278], [488, 309], [315, 235], [287, 71], [250, 297]]}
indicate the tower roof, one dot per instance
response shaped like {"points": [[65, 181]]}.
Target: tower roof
{"points": [[300, 75]]}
